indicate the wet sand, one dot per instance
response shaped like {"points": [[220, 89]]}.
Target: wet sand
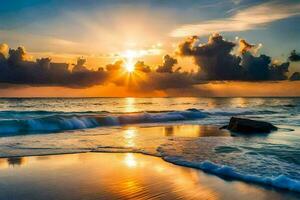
{"points": [[120, 139], [92, 176]]}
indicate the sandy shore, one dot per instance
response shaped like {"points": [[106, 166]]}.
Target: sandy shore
{"points": [[92, 176]]}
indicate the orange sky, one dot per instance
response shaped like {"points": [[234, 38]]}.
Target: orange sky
{"points": [[240, 89]]}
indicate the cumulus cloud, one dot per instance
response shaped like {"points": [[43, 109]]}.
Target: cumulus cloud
{"points": [[145, 79], [216, 61], [79, 66], [167, 77], [167, 66], [244, 46], [16, 70], [261, 68], [141, 66], [249, 18], [116, 66], [294, 56], [3, 50], [213, 58]]}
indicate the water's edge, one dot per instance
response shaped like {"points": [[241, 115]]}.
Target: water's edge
{"points": [[222, 171]]}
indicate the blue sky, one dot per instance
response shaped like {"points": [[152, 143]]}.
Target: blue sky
{"points": [[70, 26]]}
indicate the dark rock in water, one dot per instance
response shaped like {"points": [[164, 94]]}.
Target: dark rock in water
{"points": [[290, 106], [193, 110], [224, 127], [250, 126], [295, 76]]}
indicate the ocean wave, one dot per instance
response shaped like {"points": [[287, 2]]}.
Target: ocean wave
{"points": [[12, 114], [281, 181], [232, 112], [44, 122]]}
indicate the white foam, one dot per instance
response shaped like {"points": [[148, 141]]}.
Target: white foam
{"points": [[281, 181]]}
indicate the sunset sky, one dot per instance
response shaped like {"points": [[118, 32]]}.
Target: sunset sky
{"points": [[102, 33]]}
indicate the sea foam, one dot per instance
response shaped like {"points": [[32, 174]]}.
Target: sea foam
{"points": [[281, 181]]}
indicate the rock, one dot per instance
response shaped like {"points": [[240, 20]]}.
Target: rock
{"points": [[290, 106], [224, 127], [193, 110], [250, 126], [295, 76]]}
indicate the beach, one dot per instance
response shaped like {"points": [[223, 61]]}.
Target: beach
{"points": [[117, 176], [140, 149], [132, 99]]}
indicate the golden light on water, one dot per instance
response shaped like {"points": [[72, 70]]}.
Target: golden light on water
{"points": [[127, 176], [129, 136], [130, 160], [130, 104]]}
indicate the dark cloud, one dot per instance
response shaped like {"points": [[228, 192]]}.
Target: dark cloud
{"points": [[166, 77], [279, 71], [167, 66], [116, 66], [2, 57], [79, 66], [162, 81], [16, 70], [217, 61], [214, 59], [146, 79], [261, 68], [294, 56], [141, 66]]}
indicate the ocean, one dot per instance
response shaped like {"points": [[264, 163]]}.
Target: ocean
{"points": [[174, 129]]}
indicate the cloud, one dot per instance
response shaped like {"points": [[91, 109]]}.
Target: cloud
{"points": [[141, 66], [145, 79], [3, 50], [16, 70], [117, 65], [216, 61], [163, 81], [260, 68], [294, 56], [245, 46], [167, 66], [247, 19]]}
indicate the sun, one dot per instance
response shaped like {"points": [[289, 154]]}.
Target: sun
{"points": [[129, 66], [130, 57]]}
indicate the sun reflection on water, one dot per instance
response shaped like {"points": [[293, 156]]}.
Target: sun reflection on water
{"points": [[130, 160], [138, 176], [130, 104], [129, 136]]}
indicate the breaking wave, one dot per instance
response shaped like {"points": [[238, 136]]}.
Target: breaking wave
{"points": [[44, 122]]}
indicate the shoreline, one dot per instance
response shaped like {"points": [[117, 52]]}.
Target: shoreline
{"points": [[153, 170], [196, 167], [130, 137]]}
